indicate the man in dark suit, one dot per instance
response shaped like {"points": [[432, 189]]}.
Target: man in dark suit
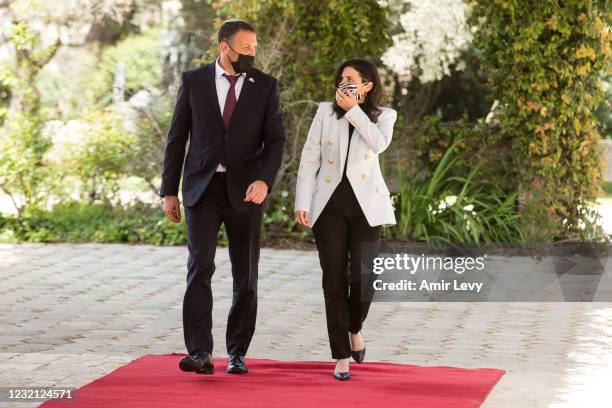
{"points": [[230, 112]]}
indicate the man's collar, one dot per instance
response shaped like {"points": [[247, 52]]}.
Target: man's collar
{"points": [[219, 71]]}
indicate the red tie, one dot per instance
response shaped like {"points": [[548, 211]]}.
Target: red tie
{"points": [[230, 100]]}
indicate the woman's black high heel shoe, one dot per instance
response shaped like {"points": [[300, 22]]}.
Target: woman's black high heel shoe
{"points": [[342, 376], [358, 356]]}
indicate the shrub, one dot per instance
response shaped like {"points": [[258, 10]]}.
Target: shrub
{"points": [[446, 208]]}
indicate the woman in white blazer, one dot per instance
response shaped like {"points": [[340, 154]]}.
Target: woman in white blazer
{"points": [[342, 196]]}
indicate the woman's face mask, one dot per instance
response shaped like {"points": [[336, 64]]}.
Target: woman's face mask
{"points": [[352, 88]]}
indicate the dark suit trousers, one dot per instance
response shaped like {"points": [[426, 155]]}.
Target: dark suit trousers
{"points": [[203, 221], [339, 233]]}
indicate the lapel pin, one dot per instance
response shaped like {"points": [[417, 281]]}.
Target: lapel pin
{"points": [[251, 80]]}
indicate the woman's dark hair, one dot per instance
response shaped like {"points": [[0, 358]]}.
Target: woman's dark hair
{"points": [[368, 72]]}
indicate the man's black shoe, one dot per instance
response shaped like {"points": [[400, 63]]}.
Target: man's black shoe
{"points": [[201, 362], [236, 365]]}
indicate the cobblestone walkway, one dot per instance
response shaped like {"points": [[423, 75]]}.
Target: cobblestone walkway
{"points": [[72, 313]]}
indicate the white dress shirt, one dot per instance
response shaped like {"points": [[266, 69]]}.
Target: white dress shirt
{"points": [[223, 85]]}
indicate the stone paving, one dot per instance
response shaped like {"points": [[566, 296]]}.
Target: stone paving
{"points": [[72, 313]]}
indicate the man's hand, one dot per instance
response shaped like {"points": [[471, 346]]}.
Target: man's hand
{"points": [[172, 208], [301, 217], [256, 192]]}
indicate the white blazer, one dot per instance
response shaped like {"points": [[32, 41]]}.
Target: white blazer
{"points": [[323, 156]]}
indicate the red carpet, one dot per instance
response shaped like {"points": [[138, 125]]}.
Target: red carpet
{"points": [[156, 381]]}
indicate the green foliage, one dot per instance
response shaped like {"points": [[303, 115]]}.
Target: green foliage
{"points": [[460, 209], [101, 155], [545, 62], [329, 32], [464, 93], [110, 151], [6, 85], [23, 167], [77, 221], [603, 113], [476, 144], [31, 57], [149, 141], [74, 221], [140, 56]]}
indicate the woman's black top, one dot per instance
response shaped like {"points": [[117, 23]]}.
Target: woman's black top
{"points": [[343, 199]]}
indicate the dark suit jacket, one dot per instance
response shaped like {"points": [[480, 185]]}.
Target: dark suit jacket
{"points": [[252, 144]]}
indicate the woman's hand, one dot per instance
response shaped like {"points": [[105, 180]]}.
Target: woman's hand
{"points": [[301, 217], [345, 99]]}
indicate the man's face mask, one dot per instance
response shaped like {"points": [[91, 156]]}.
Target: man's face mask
{"points": [[244, 62], [352, 88]]}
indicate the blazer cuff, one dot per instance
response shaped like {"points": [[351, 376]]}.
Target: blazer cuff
{"points": [[164, 191], [355, 116], [266, 179], [301, 207]]}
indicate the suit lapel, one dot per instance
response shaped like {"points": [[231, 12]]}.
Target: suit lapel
{"points": [[247, 93], [211, 90], [343, 136]]}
